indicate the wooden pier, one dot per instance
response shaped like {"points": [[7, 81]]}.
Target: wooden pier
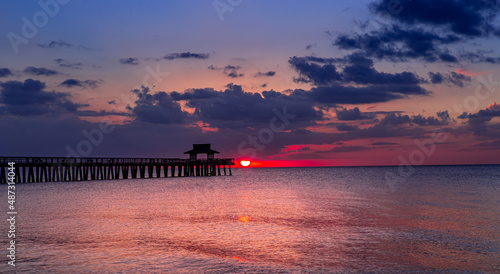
{"points": [[60, 169]]}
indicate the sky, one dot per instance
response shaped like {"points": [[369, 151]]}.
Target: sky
{"points": [[280, 83]]}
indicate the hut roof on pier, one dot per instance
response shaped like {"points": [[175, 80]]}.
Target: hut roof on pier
{"points": [[201, 149]]}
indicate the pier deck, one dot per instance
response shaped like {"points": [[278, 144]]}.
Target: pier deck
{"points": [[61, 169]]}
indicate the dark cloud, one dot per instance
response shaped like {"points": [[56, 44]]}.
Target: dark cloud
{"points": [[489, 112], [478, 57], [453, 78], [229, 70], [30, 98], [338, 94], [342, 148], [64, 63], [346, 127], [102, 113], [443, 118], [384, 144], [40, 71], [352, 114], [423, 29], [232, 71], [78, 83], [310, 46], [334, 86], [265, 74], [158, 108], [235, 108], [360, 70], [45, 136], [478, 122], [314, 70], [55, 45], [398, 44], [60, 44], [4, 72], [129, 61], [463, 17], [186, 55]]}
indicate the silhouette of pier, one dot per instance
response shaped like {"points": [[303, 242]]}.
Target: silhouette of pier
{"points": [[61, 169]]}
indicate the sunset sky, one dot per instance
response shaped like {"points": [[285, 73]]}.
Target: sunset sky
{"points": [[281, 83]]}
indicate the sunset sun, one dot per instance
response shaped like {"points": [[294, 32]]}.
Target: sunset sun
{"points": [[245, 163]]}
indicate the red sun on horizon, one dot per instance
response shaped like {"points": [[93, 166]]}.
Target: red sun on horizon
{"points": [[245, 163]]}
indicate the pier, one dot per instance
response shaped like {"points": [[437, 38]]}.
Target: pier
{"points": [[61, 169]]}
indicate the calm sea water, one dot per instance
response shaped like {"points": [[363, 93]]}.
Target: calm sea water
{"points": [[264, 220]]}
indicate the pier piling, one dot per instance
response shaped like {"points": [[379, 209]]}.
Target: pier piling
{"points": [[60, 169]]}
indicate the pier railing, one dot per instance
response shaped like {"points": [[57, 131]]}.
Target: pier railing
{"points": [[102, 160], [57, 169]]}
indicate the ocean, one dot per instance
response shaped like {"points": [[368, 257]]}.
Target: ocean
{"points": [[279, 220]]}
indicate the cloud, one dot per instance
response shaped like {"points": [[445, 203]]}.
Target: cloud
{"points": [[129, 61], [354, 81], [384, 144], [55, 45], [317, 71], [397, 44], [102, 113], [346, 127], [338, 94], [352, 114], [40, 71], [310, 46], [64, 63], [59, 44], [343, 148], [360, 70], [463, 17], [30, 98], [235, 108], [232, 71], [4, 72], [478, 122], [334, 86], [158, 108], [424, 29], [265, 74], [69, 83], [443, 118], [453, 78], [494, 106], [492, 110], [478, 57], [229, 70], [186, 55]]}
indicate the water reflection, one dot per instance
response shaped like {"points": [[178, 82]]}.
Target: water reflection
{"points": [[259, 220]]}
